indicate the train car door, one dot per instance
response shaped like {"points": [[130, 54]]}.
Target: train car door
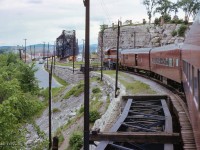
{"points": [[136, 59]]}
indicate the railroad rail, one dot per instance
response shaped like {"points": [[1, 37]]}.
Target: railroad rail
{"points": [[180, 109], [145, 123]]}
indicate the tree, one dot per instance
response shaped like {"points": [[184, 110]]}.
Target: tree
{"points": [[174, 7], [164, 7], [195, 9], [190, 7], [149, 4]]}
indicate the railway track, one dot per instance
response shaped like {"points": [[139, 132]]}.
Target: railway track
{"points": [[181, 133], [180, 109]]}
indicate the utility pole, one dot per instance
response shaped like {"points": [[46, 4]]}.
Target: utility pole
{"points": [[73, 48], [43, 50], [102, 53], [83, 52], [86, 77], [54, 55], [134, 38], [50, 81], [47, 56], [31, 52], [25, 49], [116, 81], [20, 54], [34, 52]]}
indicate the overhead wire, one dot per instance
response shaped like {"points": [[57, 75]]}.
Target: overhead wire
{"points": [[105, 10]]}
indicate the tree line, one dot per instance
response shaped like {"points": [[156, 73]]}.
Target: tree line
{"points": [[164, 7], [18, 100]]}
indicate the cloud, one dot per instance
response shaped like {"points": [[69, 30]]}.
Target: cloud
{"points": [[44, 20], [35, 1]]}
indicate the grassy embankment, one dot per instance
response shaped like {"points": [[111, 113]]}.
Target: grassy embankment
{"points": [[95, 104], [132, 86], [76, 64]]}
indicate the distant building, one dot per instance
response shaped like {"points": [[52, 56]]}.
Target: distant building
{"points": [[66, 44]]}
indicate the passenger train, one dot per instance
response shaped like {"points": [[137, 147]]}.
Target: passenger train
{"points": [[177, 65]]}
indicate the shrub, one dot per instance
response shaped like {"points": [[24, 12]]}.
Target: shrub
{"points": [[55, 110], [94, 115], [76, 140], [156, 21], [144, 21], [167, 18], [181, 30], [174, 33], [75, 91], [81, 110], [177, 21], [96, 90]]}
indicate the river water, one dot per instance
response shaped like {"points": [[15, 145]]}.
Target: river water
{"points": [[43, 77]]}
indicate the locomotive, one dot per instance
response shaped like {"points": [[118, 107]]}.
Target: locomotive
{"points": [[177, 65]]}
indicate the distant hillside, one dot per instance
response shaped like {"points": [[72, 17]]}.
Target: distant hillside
{"points": [[93, 48], [6, 49], [39, 48]]}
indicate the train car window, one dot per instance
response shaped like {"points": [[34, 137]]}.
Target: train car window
{"points": [[188, 72], [184, 66], [192, 79], [198, 89], [170, 62], [167, 61], [196, 85], [177, 62]]}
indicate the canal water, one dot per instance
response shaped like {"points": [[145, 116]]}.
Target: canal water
{"points": [[43, 77]]}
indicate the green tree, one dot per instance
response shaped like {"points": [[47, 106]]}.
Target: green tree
{"points": [[190, 7], [149, 4], [164, 7], [17, 102], [27, 78]]}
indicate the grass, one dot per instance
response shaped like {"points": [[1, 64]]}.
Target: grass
{"points": [[132, 86], [70, 64], [75, 91], [76, 64], [61, 81], [55, 110], [60, 136], [137, 87]]}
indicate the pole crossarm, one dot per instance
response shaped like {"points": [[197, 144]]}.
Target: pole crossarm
{"points": [[137, 137]]}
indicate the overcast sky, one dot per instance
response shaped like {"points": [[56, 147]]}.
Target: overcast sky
{"points": [[43, 20]]}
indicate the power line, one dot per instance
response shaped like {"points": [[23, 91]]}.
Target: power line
{"points": [[105, 10]]}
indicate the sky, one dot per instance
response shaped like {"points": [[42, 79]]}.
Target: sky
{"points": [[41, 21]]}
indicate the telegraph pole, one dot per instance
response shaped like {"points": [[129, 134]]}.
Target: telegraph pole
{"points": [[83, 52], [31, 52], [54, 55], [134, 38], [25, 49], [116, 81], [34, 52], [20, 54], [73, 48], [43, 50], [47, 56], [50, 81], [102, 53], [86, 77]]}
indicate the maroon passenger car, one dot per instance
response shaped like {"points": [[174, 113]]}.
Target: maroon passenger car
{"points": [[166, 63], [191, 76], [135, 58]]}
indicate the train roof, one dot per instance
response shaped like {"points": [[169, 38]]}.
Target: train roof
{"points": [[135, 51], [168, 47], [193, 36]]}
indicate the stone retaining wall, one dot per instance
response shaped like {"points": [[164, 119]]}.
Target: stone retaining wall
{"points": [[109, 118]]}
